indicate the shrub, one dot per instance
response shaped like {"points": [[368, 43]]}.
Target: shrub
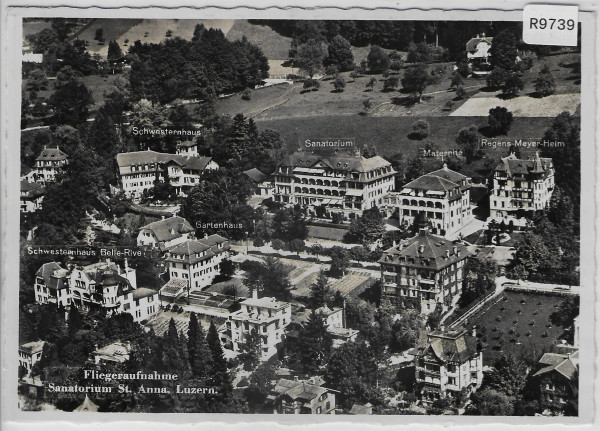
{"points": [[259, 242], [461, 93], [247, 94], [277, 244], [499, 121], [497, 78], [513, 86], [420, 129], [339, 84], [391, 83]]}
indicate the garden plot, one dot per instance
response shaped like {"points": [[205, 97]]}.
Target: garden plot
{"points": [[523, 106], [518, 324], [353, 284]]}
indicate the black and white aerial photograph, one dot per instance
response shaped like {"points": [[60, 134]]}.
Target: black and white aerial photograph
{"points": [[295, 216]]}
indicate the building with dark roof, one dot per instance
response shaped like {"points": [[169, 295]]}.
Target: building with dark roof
{"points": [[478, 53], [263, 184], [197, 261], [29, 354], [521, 187], [446, 364], [425, 270], [113, 353], [48, 164], [166, 233], [341, 181], [188, 148], [137, 170], [32, 195], [557, 378], [442, 196], [102, 286], [302, 397]]}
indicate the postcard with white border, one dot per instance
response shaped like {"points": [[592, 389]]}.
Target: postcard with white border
{"points": [[342, 212]]}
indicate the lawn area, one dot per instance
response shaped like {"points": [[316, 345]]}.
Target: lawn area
{"points": [[323, 232], [33, 27], [518, 323], [261, 99]]}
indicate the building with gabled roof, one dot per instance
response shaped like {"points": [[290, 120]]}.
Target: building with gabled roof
{"points": [[557, 377], [103, 286], [478, 53], [48, 164], [29, 354], [521, 187], [265, 317], [442, 196], [188, 148], [197, 261], [166, 233], [447, 363], [425, 270], [32, 195], [137, 170], [302, 397], [341, 181]]}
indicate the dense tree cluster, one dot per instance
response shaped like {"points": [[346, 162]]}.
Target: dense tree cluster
{"points": [[202, 68]]}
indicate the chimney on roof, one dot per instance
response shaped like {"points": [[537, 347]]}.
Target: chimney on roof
{"points": [[295, 378], [254, 293], [478, 35], [447, 254], [442, 327], [454, 250], [421, 249], [445, 167], [482, 34], [126, 264], [474, 331], [162, 217], [205, 235]]}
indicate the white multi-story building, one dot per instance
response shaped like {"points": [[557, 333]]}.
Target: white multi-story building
{"points": [[197, 261], [99, 286], [521, 187], [48, 164], [478, 53], [448, 363], [30, 354], [340, 181], [266, 317], [165, 233], [138, 171], [443, 196]]}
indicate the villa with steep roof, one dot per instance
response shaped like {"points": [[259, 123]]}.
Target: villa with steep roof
{"points": [[165, 233], [32, 195], [442, 196], [521, 187], [265, 317], [48, 164], [425, 270], [446, 364], [341, 181], [478, 53], [558, 380], [290, 397], [139, 169], [103, 286], [197, 261]]}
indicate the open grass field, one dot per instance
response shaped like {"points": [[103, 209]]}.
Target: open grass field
{"points": [[261, 99], [323, 232], [522, 106], [518, 323], [32, 27], [273, 45]]}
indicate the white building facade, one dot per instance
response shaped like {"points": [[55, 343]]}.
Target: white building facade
{"points": [[49, 164], [521, 187], [443, 196], [341, 181], [165, 233], [197, 261], [266, 317]]}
